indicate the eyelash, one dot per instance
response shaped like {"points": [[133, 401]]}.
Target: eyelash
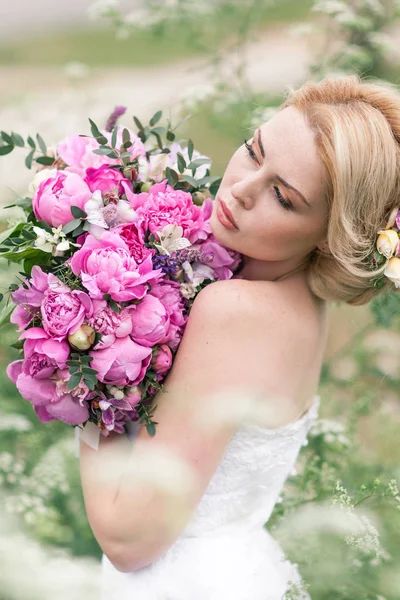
{"points": [[278, 194]]}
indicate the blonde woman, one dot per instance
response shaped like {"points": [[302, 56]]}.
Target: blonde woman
{"points": [[303, 201]]}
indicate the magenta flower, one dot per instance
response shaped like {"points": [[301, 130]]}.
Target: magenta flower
{"points": [[63, 310], [105, 179], [54, 197], [150, 321], [47, 397], [106, 267], [222, 260], [163, 205], [169, 295], [123, 363], [110, 324], [162, 360], [132, 235], [29, 298]]}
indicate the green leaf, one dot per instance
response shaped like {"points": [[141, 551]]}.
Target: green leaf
{"points": [[106, 152], [74, 380], [6, 138], [101, 139], [71, 226], [77, 212], [170, 136], [11, 232], [114, 137], [1, 297], [45, 160], [74, 369], [199, 162], [31, 142], [155, 118], [159, 140], [5, 313], [190, 149], [172, 176], [88, 371], [190, 180], [94, 129], [151, 428], [41, 143], [86, 359], [79, 230], [138, 123], [114, 306], [29, 159], [181, 162], [18, 345], [17, 140], [6, 150], [16, 257], [214, 187], [158, 130], [126, 136]]}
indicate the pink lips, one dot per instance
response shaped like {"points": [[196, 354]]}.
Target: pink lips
{"points": [[225, 216]]}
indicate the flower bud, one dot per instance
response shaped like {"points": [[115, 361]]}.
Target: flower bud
{"points": [[392, 271], [83, 338], [162, 359], [146, 186], [387, 242], [130, 172], [199, 197], [134, 396]]}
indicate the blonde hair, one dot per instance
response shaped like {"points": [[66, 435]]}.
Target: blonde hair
{"points": [[357, 131]]}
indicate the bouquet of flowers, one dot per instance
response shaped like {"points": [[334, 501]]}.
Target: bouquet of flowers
{"points": [[115, 246]]}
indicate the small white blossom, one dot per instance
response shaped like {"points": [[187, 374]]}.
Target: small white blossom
{"points": [[54, 243]]}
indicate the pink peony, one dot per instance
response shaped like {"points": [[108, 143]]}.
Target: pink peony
{"points": [[150, 321], [162, 360], [29, 298], [163, 205], [42, 354], [77, 152], [132, 235], [170, 297], [123, 363], [105, 179], [110, 324], [63, 310], [49, 396], [106, 267], [54, 197]]}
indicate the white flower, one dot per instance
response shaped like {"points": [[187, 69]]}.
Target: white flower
{"points": [[392, 271], [187, 290], [93, 209], [387, 242], [54, 243], [39, 178], [171, 239]]}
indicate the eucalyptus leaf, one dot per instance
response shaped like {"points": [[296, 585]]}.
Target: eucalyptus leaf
{"points": [[138, 123], [6, 150], [41, 143], [151, 429], [190, 149], [6, 138], [71, 225], [17, 139], [155, 118], [114, 137], [77, 212], [11, 232], [181, 162], [94, 129], [199, 162], [172, 176], [29, 159], [170, 136], [31, 142], [45, 160]]}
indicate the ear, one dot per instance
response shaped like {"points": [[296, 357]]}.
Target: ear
{"points": [[324, 247]]}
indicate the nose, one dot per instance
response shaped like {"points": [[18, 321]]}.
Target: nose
{"points": [[244, 191]]}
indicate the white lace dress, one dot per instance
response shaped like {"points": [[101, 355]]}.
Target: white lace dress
{"points": [[225, 552]]}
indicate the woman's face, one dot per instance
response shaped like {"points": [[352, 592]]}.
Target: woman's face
{"points": [[271, 203]]}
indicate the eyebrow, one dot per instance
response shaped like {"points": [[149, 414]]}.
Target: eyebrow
{"points": [[278, 177]]}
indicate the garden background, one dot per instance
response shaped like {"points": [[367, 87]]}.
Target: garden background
{"points": [[226, 64]]}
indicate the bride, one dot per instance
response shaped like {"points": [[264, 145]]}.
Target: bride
{"points": [[180, 516]]}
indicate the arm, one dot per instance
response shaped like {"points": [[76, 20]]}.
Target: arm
{"points": [[133, 517]]}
